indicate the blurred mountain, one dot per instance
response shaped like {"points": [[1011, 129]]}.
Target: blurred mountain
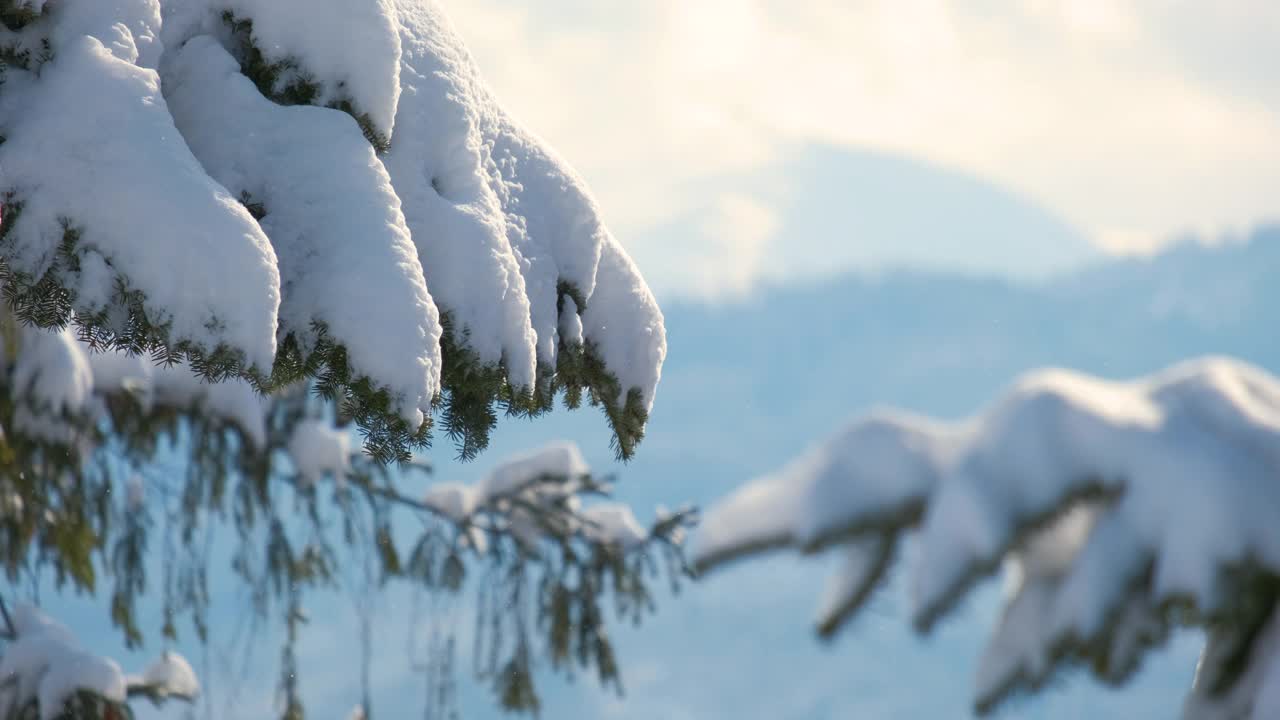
{"points": [[820, 211]]}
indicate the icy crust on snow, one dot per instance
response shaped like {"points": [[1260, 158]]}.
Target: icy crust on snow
{"points": [[350, 49], [45, 662], [460, 162], [1179, 474], [345, 255], [143, 207]]}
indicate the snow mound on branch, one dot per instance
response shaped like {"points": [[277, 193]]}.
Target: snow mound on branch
{"points": [[57, 376], [346, 259], [141, 204], [896, 457], [45, 662], [352, 50], [464, 209], [613, 524], [542, 478], [456, 501], [170, 676], [127, 27], [441, 165], [317, 448], [1178, 473], [51, 372], [178, 386], [555, 462], [515, 217]]}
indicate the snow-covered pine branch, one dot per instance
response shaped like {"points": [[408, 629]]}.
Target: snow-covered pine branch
{"points": [[284, 189], [101, 447], [46, 674], [1120, 510]]}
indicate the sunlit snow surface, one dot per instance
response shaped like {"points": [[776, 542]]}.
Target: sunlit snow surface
{"points": [[463, 212]]}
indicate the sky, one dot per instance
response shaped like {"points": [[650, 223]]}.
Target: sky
{"points": [[1134, 122]]}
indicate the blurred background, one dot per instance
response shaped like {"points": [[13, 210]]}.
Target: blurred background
{"points": [[844, 204]]}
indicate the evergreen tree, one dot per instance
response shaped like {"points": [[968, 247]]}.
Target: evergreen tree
{"points": [[232, 234], [1119, 511]]}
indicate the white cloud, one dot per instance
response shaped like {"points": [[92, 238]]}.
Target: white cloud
{"points": [[1131, 119]]}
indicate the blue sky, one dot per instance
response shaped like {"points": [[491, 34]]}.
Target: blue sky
{"points": [[1131, 120]]}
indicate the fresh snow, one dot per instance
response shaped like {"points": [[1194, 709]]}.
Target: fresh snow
{"points": [[456, 501], [1193, 454], [894, 457], [613, 524], [58, 378], [345, 256], [467, 210], [441, 166], [524, 476], [51, 371], [555, 460], [46, 662], [144, 207], [558, 460], [170, 676], [318, 449], [351, 49], [483, 194]]}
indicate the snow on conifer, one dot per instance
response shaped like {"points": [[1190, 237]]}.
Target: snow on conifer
{"points": [[44, 668], [351, 51], [1117, 508], [92, 155], [549, 478], [369, 296], [462, 163], [199, 218]]}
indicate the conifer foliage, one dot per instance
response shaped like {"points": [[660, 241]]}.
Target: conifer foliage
{"points": [[280, 190], [232, 232]]}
